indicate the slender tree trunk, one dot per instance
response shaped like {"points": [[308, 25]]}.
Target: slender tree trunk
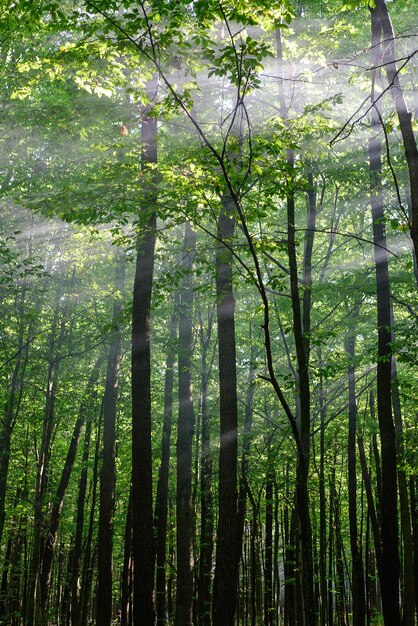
{"points": [[48, 549], [289, 558], [142, 508], [91, 547], [413, 486], [408, 590], [370, 504], [322, 508], [248, 422], [357, 590], [161, 503], [107, 475], [206, 495], [302, 471], [268, 562], [34, 614], [388, 61], [331, 542], [254, 561], [226, 567], [185, 430], [408, 595], [276, 571], [389, 517], [339, 562], [12, 407], [82, 489], [127, 566]]}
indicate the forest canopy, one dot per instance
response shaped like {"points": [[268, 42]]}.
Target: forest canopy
{"points": [[209, 313]]}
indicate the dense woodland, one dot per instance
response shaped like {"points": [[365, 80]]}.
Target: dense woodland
{"points": [[209, 313]]}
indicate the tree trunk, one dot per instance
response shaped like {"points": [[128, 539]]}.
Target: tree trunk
{"points": [[142, 509], [34, 614], [268, 562], [82, 489], [414, 518], [185, 430], [49, 545], [12, 406], [322, 508], [91, 547], [161, 503], [388, 61], [370, 504], [389, 518], [357, 589], [226, 567], [206, 495], [107, 475], [127, 566], [331, 541], [408, 591], [302, 470]]}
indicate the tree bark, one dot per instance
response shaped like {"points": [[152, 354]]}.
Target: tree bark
{"points": [[90, 552], [107, 474], [408, 590], [82, 489], [226, 567], [389, 516], [12, 406], [142, 508], [322, 508], [206, 495], [185, 430], [48, 549], [388, 59], [127, 566], [34, 613], [161, 503], [268, 559], [357, 587], [302, 470], [413, 487]]}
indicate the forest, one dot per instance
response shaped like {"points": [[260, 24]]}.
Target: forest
{"points": [[209, 312]]}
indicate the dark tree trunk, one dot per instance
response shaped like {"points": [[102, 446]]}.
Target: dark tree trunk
{"points": [[243, 480], [161, 503], [206, 495], [107, 475], [49, 545], [127, 566], [276, 570], [268, 559], [331, 541], [289, 558], [322, 510], [82, 489], [413, 485], [370, 504], [339, 562], [226, 568], [142, 507], [12, 407], [4, 600], [34, 611], [185, 430], [357, 588], [389, 583], [302, 471], [408, 591], [90, 552], [388, 61]]}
